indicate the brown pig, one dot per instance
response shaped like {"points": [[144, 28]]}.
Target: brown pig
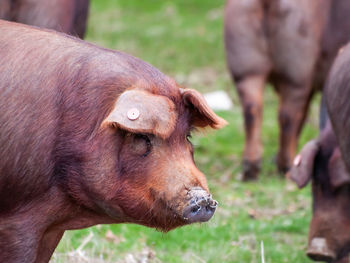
{"points": [[329, 166], [325, 161], [89, 136], [68, 16], [291, 44]]}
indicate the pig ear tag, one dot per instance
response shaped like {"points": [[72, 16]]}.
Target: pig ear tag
{"points": [[133, 114], [297, 160]]}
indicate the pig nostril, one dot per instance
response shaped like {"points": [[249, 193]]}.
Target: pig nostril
{"points": [[202, 202], [213, 203], [196, 209]]}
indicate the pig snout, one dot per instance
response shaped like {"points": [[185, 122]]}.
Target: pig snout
{"points": [[201, 207], [319, 250]]}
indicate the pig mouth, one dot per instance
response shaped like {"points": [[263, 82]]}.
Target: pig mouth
{"points": [[197, 206]]}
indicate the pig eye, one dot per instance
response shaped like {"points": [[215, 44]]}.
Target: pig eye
{"points": [[142, 144]]}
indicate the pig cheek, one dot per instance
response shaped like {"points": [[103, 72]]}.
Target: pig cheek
{"points": [[136, 202], [134, 183]]}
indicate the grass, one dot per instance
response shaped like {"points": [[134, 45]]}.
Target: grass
{"points": [[184, 39]]}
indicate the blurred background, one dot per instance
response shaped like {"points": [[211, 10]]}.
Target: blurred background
{"points": [[184, 39]]}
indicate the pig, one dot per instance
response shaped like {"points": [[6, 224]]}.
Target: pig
{"points": [[68, 16], [91, 136], [291, 44], [325, 161], [329, 237]]}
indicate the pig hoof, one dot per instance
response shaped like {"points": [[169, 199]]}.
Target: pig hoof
{"points": [[251, 170], [283, 169], [283, 165]]}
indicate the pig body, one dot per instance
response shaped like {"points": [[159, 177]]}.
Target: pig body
{"points": [[291, 44], [68, 16], [90, 136]]}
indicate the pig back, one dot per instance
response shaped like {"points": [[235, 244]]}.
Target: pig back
{"points": [[337, 92]]}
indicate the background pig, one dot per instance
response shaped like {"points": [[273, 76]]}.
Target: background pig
{"points": [[329, 237], [291, 44], [325, 161], [68, 16], [89, 136]]}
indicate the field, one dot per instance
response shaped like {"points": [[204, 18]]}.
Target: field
{"points": [[184, 39]]}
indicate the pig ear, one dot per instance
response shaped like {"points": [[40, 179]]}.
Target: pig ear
{"points": [[337, 171], [139, 111], [202, 115], [303, 165]]}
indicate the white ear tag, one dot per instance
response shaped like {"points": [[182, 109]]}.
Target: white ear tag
{"points": [[133, 114], [297, 160]]}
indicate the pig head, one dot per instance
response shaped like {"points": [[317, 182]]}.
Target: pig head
{"points": [[91, 136], [320, 161], [158, 183]]}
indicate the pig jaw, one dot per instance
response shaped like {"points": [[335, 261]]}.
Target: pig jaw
{"points": [[196, 205], [165, 209]]}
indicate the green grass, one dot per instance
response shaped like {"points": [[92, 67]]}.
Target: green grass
{"points": [[184, 39]]}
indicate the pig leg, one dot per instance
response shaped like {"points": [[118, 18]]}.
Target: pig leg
{"points": [[293, 105], [48, 244], [249, 63], [250, 90]]}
